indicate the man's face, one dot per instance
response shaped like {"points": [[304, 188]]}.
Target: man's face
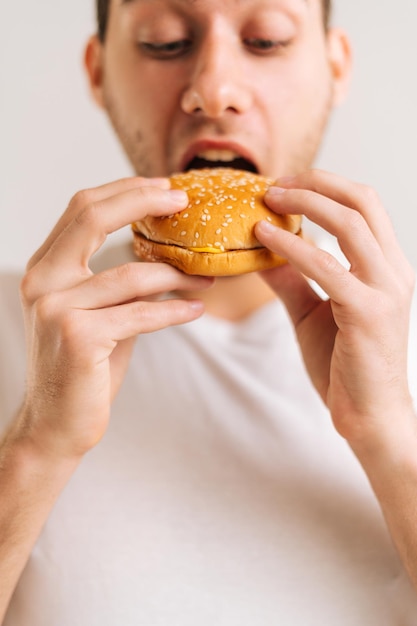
{"points": [[189, 83]]}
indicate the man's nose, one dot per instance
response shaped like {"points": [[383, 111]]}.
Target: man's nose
{"points": [[217, 81]]}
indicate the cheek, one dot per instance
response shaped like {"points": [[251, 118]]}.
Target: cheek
{"points": [[308, 91], [141, 100], [134, 85]]}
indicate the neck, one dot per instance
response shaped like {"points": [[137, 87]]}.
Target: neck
{"points": [[234, 298]]}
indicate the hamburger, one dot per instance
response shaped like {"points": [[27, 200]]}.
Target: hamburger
{"points": [[214, 235]]}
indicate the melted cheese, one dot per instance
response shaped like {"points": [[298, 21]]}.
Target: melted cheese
{"points": [[207, 249]]}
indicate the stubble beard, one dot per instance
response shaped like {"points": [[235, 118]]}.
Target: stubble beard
{"points": [[304, 155], [141, 151], [138, 150]]}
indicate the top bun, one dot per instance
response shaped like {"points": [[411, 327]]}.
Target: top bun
{"points": [[214, 235]]}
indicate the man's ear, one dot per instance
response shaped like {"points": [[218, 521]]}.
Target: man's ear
{"points": [[340, 60], [93, 63]]}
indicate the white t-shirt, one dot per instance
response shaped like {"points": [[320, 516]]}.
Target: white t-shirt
{"points": [[220, 495]]}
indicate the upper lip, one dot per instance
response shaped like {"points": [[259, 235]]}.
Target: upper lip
{"points": [[211, 144]]}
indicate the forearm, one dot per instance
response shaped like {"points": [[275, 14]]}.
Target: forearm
{"points": [[30, 482], [392, 472]]}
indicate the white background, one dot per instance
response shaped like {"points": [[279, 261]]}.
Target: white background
{"points": [[54, 141]]}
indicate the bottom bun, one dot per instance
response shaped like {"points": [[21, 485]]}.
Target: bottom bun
{"points": [[228, 263]]}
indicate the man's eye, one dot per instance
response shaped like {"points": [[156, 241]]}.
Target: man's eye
{"points": [[167, 50], [263, 46]]}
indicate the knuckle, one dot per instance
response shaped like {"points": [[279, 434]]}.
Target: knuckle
{"points": [[353, 221], [70, 327], [150, 195], [368, 195], [126, 273], [27, 288], [89, 216], [144, 193], [64, 324], [81, 199], [328, 264], [46, 309], [118, 276], [144, 314], [302, 196], [315, 176]]}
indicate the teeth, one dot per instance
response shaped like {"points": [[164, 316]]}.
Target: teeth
{"points": [[218, 155]]}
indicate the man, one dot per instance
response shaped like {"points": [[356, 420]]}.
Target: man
{"points": [[168, 473]]}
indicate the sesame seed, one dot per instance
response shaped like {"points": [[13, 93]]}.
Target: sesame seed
{"points": [[183, 233], [197, 235], [185, 216], [174, 224], [218, 231]]}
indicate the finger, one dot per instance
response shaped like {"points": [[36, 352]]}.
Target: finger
{"points": [[135, 318], [355, 238], [314, 263], [356, 196], [66, 262], [90, 196], [129, 282]]}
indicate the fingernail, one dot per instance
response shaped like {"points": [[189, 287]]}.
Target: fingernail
{"points": [[275, 191], [286, 180], [196, 305], [267, 227], [178, 196]]}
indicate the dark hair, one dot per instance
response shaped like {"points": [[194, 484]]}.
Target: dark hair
{"points": [[102, 10], [103, 7], [327, 10]]}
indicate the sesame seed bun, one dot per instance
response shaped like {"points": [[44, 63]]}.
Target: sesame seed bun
{"points": [[214, 235]]}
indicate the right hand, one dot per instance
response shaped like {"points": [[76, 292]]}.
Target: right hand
{"points": [[80, 327]]}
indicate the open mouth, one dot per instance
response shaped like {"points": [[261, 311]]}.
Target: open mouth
{"points": [[220, 158]]}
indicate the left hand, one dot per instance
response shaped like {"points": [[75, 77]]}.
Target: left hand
{"points": [[355, 343]]}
